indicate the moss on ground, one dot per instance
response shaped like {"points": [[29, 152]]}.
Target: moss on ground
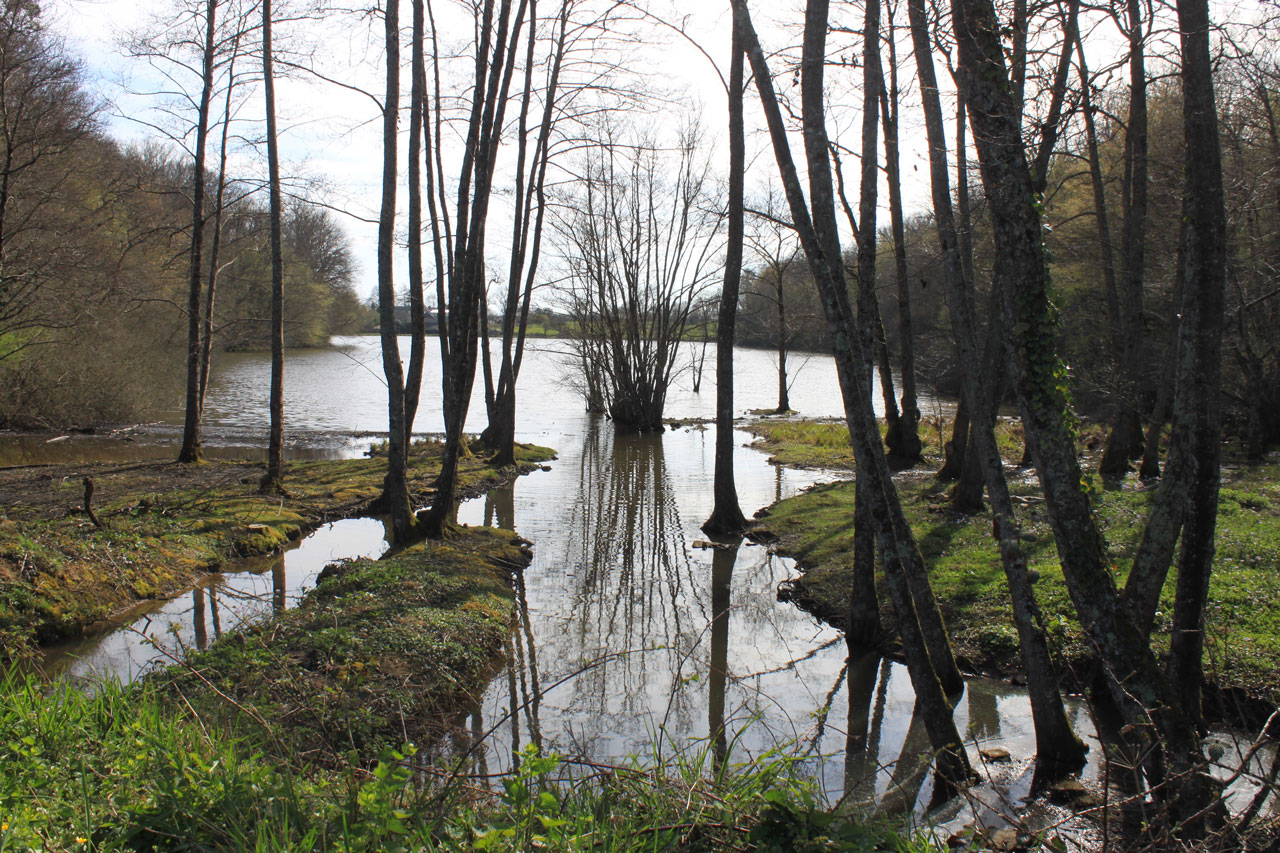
{"points": [[165, 523], [1243, 627], [378, 653]]}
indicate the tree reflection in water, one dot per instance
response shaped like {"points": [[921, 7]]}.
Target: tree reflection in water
{"points": [[659, 644]]}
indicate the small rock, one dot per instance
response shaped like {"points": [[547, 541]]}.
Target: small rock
{"points": [[1067, 791], [1087, 800], [1004, 840], [995, 754]]}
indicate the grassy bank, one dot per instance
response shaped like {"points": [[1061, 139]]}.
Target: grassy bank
{"points": [[1243, 627], [379, 652], [288, 737], [162, 524], [129, 769]]}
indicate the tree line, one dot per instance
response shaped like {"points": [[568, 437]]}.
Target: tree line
{"points": [[94, 242]]}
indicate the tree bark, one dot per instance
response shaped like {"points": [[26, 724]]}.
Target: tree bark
{"points": [[1057, 747], [395, 488], [417, 301], [907, 445], [895, 541], [1172, 760], [1125, 440]]}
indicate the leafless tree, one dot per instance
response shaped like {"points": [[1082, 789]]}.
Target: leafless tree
{"points": [[641, 237]]}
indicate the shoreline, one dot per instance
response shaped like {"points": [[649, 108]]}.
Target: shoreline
{"points": [[166, 524], [815, 529]]}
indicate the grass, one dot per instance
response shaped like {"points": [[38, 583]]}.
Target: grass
{"points": [[824, 443], [379, 652], [129, 768], [165, 523], [1243, 622]]}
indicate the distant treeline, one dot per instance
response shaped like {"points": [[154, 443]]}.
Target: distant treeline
{"points": [[95, 241]]}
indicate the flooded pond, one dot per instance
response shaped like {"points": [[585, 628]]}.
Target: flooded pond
{"points": [[628, 638]]}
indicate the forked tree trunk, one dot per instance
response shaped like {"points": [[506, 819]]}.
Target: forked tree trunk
{"points": [[1057, 747], [1172, 760]]}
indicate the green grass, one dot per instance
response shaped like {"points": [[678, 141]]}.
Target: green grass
{"points": [[166, 523], [379, 651], [1243, 622], [129, 769], [807, 443]]}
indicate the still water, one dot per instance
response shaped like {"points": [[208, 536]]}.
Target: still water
{"points": [[628, 639]]}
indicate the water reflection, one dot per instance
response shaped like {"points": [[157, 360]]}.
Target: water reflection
{"points": [[157, 632], [721, 581]]}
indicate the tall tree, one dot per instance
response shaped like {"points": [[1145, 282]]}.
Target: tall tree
{"points": [[529, 218], [1125, 440], [896, 544], [905, 442], [1154, 713], [275, 446], [191, 443], [1057, 747], [726, 516], [498, 37], [395, 490]]}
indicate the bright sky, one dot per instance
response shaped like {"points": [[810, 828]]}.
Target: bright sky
{"points": [[333, 134]]}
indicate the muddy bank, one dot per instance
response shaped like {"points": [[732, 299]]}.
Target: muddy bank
{"points": [[160, 525]]}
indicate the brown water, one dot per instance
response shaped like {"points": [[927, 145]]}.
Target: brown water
{"points": [[628, 639]]}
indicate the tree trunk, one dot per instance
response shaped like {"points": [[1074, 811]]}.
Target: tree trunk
{"points": [[191, 443], [1125, 440], [1171, 759], [907, 445], [496, 55], [896, 544], [1057, 747], [274, 477], [395, 488], [726, 516], [1197, 407], [206, 343], [417, 302]]}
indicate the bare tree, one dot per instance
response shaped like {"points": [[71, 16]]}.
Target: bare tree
{"points": [[640, 237], [726, 516], [460, 266], [275, 446]]}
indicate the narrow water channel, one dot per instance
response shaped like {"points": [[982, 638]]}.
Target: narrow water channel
{"points": [[629, 639]]}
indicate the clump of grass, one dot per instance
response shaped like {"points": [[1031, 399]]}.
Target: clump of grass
{"points": [[380, 650]]}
